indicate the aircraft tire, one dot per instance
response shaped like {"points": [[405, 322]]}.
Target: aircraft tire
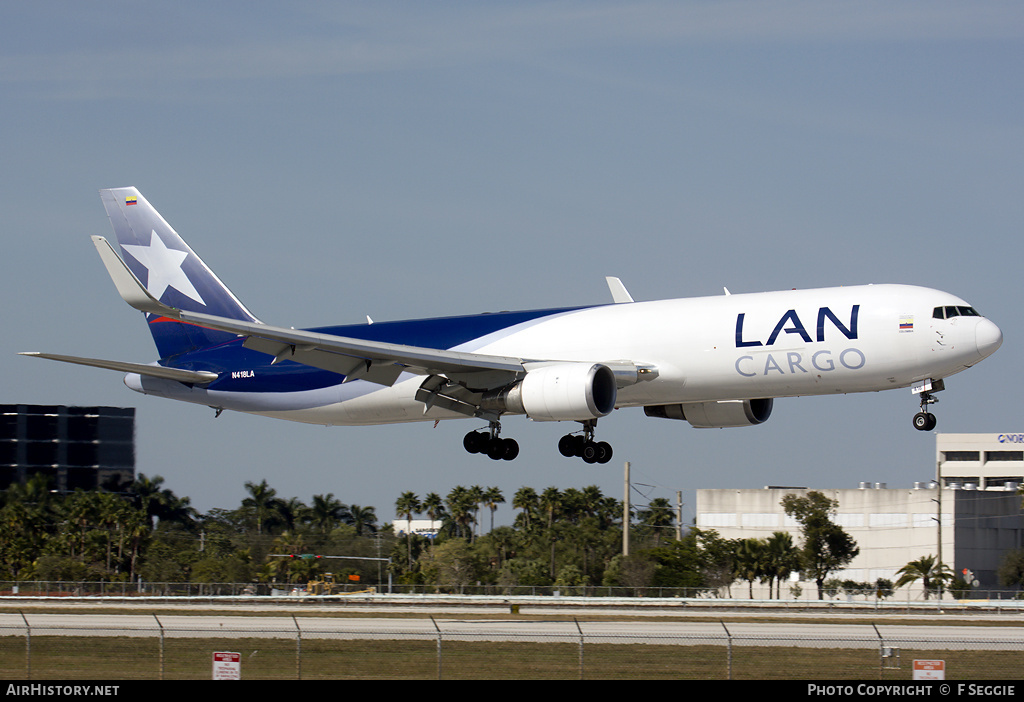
{"points": [[474, 442], [924, 421], [495, 449], [511, 449]]}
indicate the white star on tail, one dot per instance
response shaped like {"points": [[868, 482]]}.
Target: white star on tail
{"points": [[164, 266]]}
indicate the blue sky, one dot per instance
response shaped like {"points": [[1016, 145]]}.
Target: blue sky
{"points": [[332, 160]]}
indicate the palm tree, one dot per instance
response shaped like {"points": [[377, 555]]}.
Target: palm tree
{"points": [[291, 567], [781, 559], [291, 512], [79, 514], [475, 495], [21, 536], [750, 561], [932, 574], [325, 512], [109, 513], [362, 518], [261, 500], [433, 507], [609, 511], [657, 517], [35, 491], [492, 498], [551, 502], [572, 505], [591, 499], [158, 502], [407, 505], [526, 500], [177, 509], [461, 504]]}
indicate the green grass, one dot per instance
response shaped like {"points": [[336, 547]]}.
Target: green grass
{"points": [[140, 658]]}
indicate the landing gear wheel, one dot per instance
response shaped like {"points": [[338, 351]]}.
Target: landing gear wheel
{"points": [[496, 449], [475, 441], [490, 444], [574, 445], [924, 421], [571, 446], [511, 449], [567, 446]]}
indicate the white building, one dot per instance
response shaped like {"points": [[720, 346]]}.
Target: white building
{"points": [[419, 527], [980, 461], [969, 523]]}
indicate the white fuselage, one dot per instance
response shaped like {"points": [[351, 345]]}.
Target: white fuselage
{"points": [[729, 347]]}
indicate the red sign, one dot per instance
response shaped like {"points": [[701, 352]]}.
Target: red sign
{"points": [[929, 670], [227, 665]]}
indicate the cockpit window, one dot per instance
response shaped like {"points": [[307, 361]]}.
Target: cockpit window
{"points": [[950, 311]]}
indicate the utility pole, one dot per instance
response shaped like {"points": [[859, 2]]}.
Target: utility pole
{"points": [[940, 533], [938, 520], [625, 515], [679, 515]]}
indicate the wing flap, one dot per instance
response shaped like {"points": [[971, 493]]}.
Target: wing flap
{"points": [[376, 370]]}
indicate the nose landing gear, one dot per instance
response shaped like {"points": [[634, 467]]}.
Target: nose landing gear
{"points": [[925, 420]]}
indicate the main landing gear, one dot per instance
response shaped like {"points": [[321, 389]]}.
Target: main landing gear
{"points": [[490, 444], [584, 446], [570, 445]]}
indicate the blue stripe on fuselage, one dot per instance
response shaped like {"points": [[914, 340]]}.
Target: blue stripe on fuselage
{"points": [[244, 370]]}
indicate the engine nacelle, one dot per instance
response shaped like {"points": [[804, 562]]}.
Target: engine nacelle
{"points": [[724, 413], [559, 392]]}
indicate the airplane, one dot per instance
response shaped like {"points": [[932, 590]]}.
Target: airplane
{"points": [[715, 361]]}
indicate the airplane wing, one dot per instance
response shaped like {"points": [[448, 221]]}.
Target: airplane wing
{"points": [[378, 362]]}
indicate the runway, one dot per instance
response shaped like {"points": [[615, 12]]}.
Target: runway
{"points": [[822, 633]]}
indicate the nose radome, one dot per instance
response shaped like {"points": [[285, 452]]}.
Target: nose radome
{"points": [[988, 337]]}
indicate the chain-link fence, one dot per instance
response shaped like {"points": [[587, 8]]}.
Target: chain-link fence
{"points": [[128, 647], [57, 588]]}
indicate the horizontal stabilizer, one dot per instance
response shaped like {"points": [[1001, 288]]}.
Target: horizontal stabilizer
{"points": [[182, 376], [128, 286]]}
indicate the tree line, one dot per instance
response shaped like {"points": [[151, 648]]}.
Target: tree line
{"points": [[570, 538]]}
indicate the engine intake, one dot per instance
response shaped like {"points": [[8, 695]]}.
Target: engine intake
{"points": [[559, 392], [723, 413]]}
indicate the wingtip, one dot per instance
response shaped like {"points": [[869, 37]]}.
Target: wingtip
{"points": [[618, 290]]}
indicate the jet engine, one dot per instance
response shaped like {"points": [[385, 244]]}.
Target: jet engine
{"points": [[724, 413], [559, 392]]}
